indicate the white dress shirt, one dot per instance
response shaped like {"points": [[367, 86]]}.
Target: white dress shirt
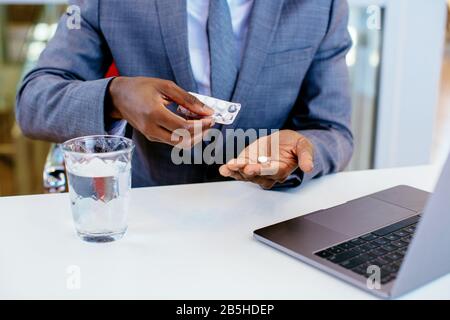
{"points": [[197, 18], [197, 11]]}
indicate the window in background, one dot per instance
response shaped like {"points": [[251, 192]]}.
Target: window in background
{"points": [[364, 61], [24, 32]]}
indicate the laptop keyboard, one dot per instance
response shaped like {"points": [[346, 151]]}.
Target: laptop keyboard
{"points": [[385, 248]]}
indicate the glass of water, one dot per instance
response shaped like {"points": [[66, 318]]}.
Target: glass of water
{"points": [[99, 174]]}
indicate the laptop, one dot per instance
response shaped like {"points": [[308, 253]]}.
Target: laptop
{"points": [[387, 243]]}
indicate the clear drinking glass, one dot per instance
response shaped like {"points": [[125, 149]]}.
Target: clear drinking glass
{"points": [[99, 174]]}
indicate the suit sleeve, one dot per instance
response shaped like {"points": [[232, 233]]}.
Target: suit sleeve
{"points": [[63, 96], [323, 110]]}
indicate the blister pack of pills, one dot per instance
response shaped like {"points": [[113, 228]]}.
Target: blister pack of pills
{"points": [[225, 112]]}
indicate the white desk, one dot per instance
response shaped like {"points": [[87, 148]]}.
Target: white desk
{"points": [[182, 245]]}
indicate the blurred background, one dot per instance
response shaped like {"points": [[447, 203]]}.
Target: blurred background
{"points": [[400, 82]]}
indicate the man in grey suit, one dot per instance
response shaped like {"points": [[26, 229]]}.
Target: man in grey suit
{"points": [[283, 60]]}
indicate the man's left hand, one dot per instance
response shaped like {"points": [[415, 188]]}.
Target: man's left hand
{"points": [[272, 159]]}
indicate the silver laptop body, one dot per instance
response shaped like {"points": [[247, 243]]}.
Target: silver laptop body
{"points": [[426, 258]]}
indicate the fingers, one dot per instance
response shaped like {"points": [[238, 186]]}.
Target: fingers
{"points": [[252, 170], [181, 97], [172, 122], [226, 172], [305, 154], [185, 113], [163, 135], [183, 141], [265, 183], [237, 176], [237, 164], [253, 173], [184, 133], [273, 169]]}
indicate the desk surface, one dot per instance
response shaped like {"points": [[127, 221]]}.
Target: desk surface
{"points": [[185, 242]]}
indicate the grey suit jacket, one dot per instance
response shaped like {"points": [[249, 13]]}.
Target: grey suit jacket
{"points": [[293, 76]]}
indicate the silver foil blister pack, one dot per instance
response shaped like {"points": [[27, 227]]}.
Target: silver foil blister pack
{"points": [[224, 112]]}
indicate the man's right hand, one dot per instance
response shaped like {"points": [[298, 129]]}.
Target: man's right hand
{"points": [[143, 103]]}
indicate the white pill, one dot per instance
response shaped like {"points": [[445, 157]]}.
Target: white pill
{"points": [[263, 159], [233, 108]]}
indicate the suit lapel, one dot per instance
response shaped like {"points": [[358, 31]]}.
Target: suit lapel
{"points": [[173, 22], [263, 23]]}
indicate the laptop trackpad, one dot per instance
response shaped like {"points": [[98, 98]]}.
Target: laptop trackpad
{"points": [[360, 216]]}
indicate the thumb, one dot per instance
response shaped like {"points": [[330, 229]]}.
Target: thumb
{"points": [[305, 155]]}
